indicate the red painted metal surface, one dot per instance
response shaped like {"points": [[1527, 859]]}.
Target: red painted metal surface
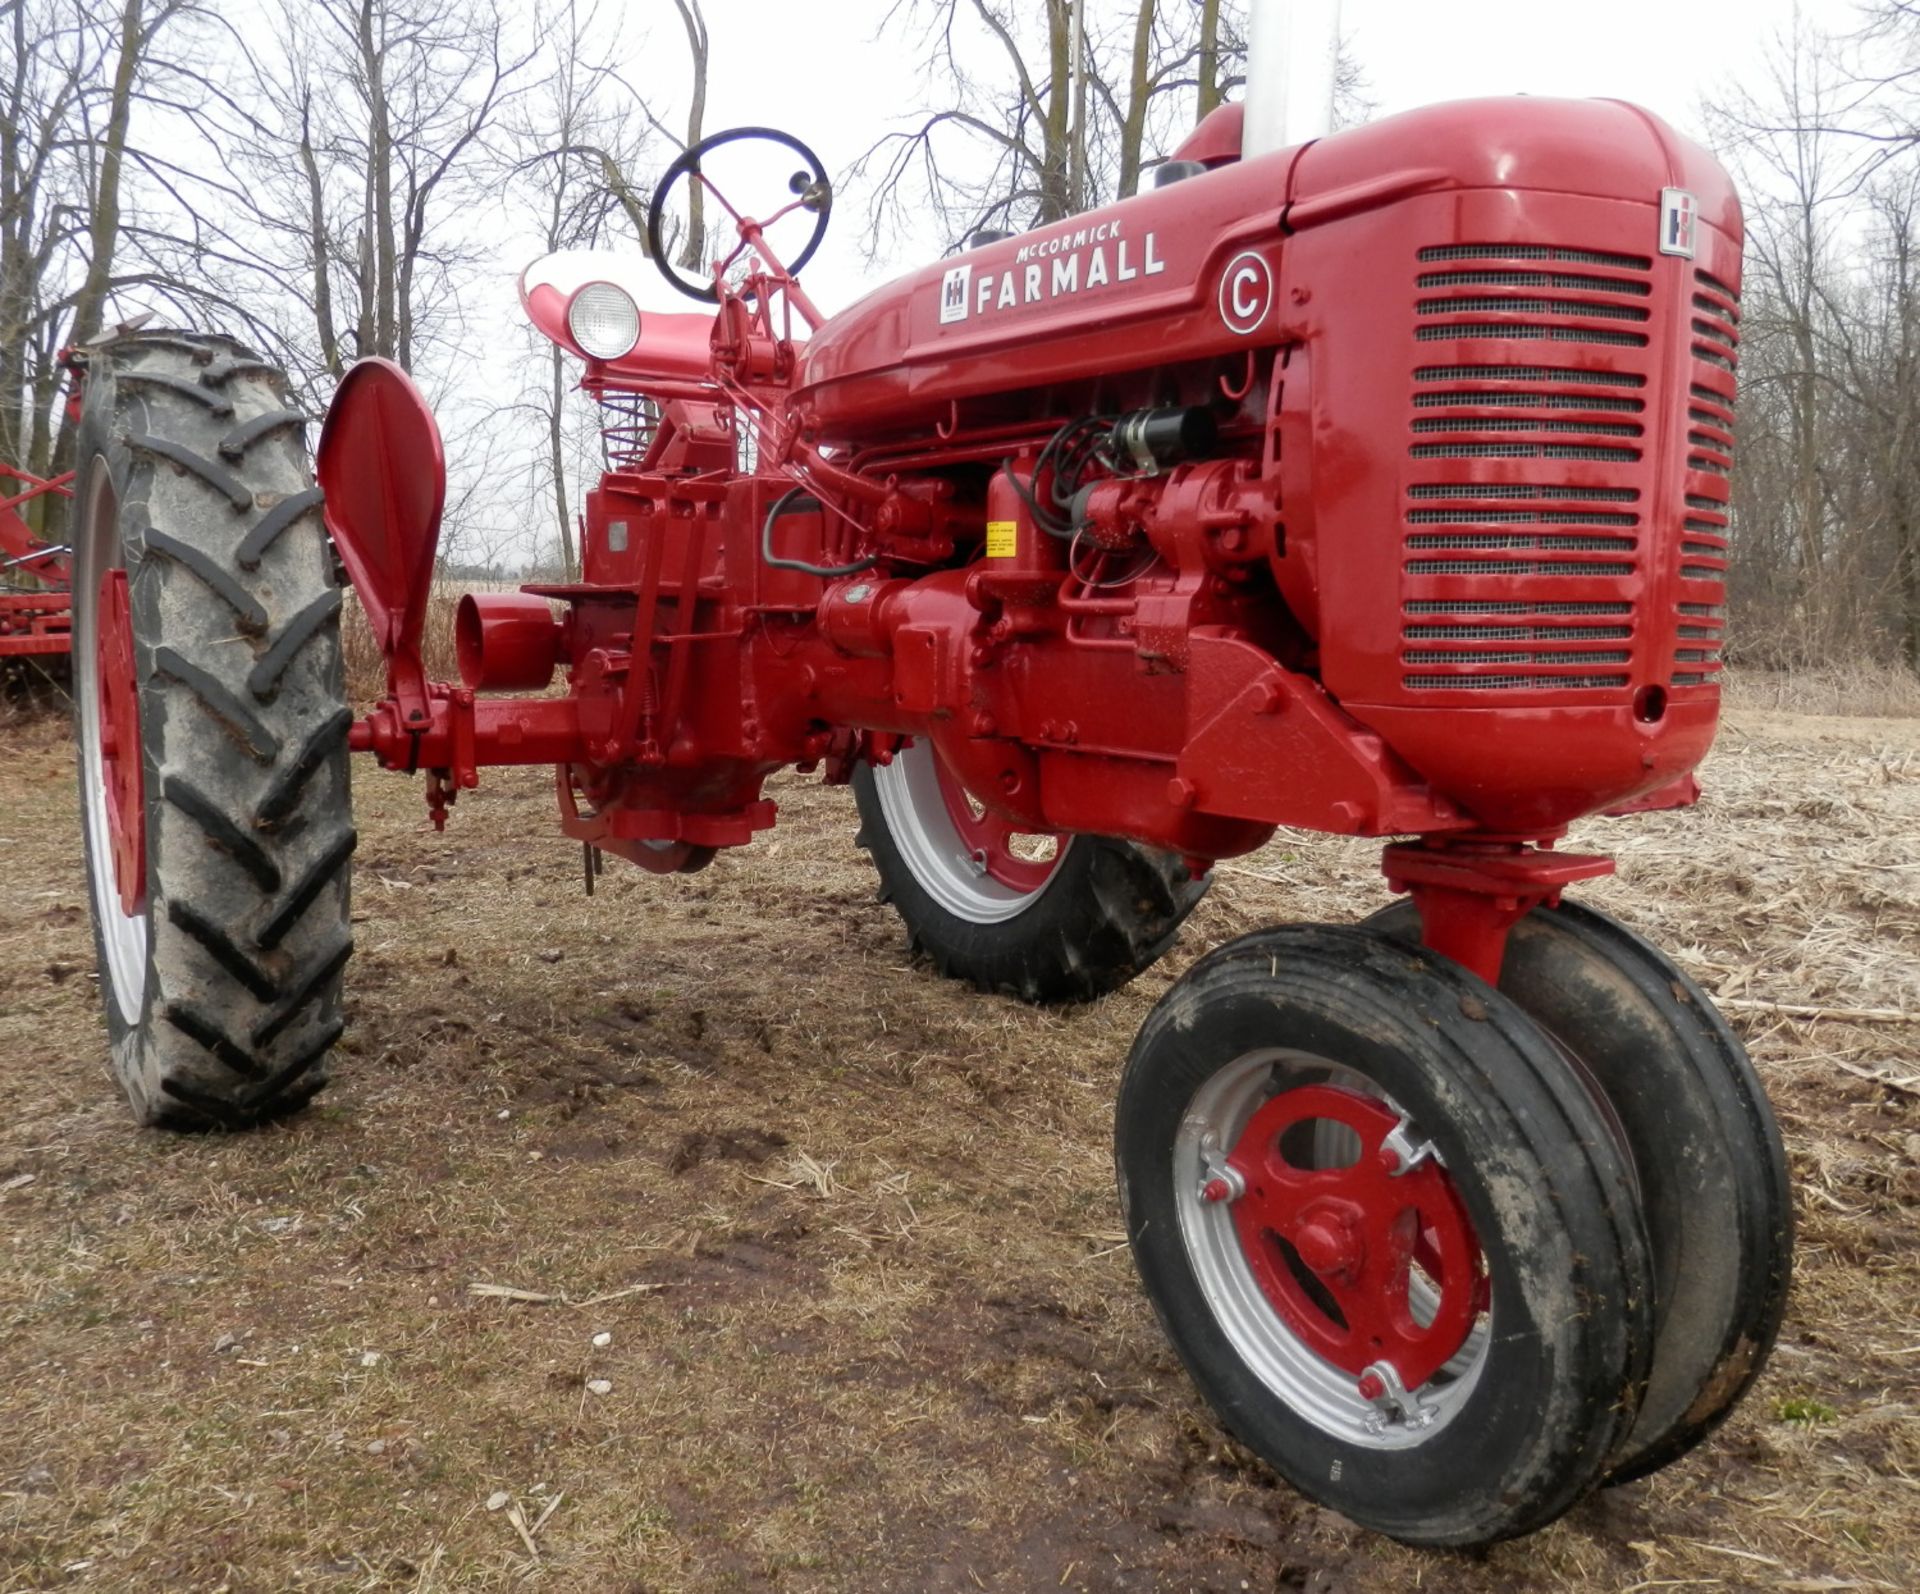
{"points": [[120, 757], [36, 605], [505, 641], [1470, 893], [384, 473], [1447, 562], [1334, 1249]]}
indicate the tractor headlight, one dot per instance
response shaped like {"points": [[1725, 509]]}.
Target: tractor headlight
{"points": [[604, 321]]}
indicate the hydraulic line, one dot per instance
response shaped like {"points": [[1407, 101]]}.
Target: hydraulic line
{"points": [[773, 561]]}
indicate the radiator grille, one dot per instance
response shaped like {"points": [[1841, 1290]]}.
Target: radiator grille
{"points": [[1539, 582], [1550, 561], [1701, 553]]}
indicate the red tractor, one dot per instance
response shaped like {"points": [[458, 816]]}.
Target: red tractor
{"points": [[1376, 485]]}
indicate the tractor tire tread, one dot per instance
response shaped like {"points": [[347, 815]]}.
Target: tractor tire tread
{"points": [[210, 471], [250, 614], [253, 547], [283, 793], [244, 736], [234, 445], [263, 680], [221, 830], [301, 897], [221, 703], [214, 403], [225, 951]]}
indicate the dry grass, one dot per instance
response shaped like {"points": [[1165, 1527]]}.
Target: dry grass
{"points": [[851, 1231], [367, 671], [1867, 687]]}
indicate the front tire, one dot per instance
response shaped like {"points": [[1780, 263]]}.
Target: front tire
{"points": [[1064, 929], [211, 729], [1386, 1232], [1710, 1168]]}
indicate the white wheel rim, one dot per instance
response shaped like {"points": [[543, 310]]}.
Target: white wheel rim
{"points": [[935, 853], [1310, 1386], [123, 936]]}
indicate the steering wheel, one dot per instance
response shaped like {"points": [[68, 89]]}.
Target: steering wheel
{"points": [[812, 188]]}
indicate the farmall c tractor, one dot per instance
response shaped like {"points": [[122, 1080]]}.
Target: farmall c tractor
{"points": [[1375, 485]]}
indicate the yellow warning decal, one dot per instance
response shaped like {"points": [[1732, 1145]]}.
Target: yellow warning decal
{"points": [[1003, 539]]}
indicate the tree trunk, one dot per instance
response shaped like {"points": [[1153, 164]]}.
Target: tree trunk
{"points": [[317, 240], [1057, 129], [1139, 92], [103, 227], [386, 326], [694, 251], [1207, 94], [557, 456]]}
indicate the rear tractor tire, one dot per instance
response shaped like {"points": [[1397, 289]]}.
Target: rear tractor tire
{"points": [[211, 728], [1064, 928]]}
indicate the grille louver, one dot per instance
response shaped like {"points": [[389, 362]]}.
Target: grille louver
{"points": [[1571, 601], [1702, 553], [1562, 556]]}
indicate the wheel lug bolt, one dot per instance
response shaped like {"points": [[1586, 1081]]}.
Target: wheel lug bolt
{"points": [[1371, 1386], [1215, 1189], [1389, 1159]]}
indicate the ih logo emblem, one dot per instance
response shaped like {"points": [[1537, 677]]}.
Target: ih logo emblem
{"points": [[953, 293], [1677, 213]]}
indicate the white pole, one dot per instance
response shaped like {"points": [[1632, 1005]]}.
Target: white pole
{"points": [[1293, 48]]}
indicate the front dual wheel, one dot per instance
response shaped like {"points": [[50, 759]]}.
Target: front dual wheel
{"points": [[1387, 1231], [1447, 1256]]}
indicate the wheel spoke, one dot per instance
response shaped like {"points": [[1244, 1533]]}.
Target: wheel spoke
{"points": [[719, 198], [988, 839]]}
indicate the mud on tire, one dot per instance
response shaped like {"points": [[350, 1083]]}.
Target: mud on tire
{"points": [[222, 986], [1709, 1168], [1523, 1420]]}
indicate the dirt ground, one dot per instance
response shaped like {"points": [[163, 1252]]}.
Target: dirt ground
{"points": [[850, 1233]]}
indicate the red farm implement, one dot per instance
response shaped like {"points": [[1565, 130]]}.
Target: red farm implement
{"points": [[1374, 485], [35, 601]]}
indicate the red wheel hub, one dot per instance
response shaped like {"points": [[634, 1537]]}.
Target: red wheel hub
{"points": [[1333, 1249], [990, 839], [119, 708]]}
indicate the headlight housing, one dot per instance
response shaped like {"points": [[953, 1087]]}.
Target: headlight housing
{"points": [[604, 320]]}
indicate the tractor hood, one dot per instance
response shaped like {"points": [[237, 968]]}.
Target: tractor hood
{"points": [[1193, 270]]}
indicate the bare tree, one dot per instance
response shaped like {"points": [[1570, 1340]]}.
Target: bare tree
{"points": [[693, 251], [1826, 497], [994, 150], [76, 73], [1798, 184], [1884, 373], [363, 139], [1005, 144]]}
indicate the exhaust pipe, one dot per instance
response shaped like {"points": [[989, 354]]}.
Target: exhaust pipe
{"points": [[1293, 48]]}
